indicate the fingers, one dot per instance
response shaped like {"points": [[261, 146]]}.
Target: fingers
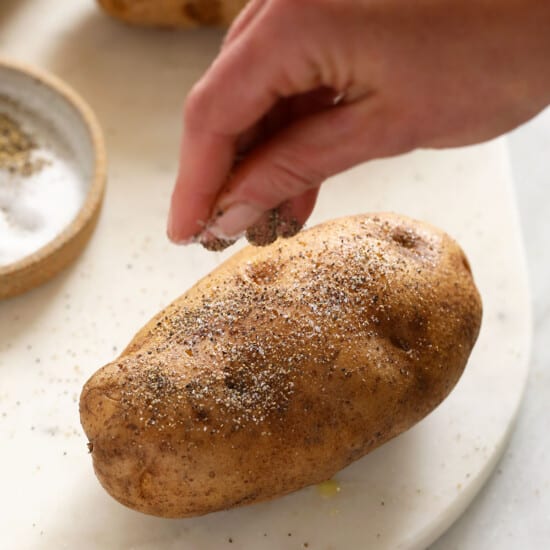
{"points": [[299, 209], [247, 15], [212, 158], [300, 158], [282, 114], [242, 85], [284, 221]]}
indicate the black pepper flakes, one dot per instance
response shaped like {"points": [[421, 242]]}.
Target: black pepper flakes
{"points": [[16, 148]]}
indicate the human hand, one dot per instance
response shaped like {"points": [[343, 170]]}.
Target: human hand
{"points": [[302, 90]]}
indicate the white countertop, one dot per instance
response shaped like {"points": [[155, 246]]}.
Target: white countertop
{"points": [[513, 509]]}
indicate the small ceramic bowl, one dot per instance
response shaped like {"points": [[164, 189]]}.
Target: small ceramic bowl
{"points": [[48, 103]]}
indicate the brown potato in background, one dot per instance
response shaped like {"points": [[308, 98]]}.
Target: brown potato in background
{"points": [[174, 13], [282, 366]]}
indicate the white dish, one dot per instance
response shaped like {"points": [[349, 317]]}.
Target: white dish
{"points": [[47, 216]]}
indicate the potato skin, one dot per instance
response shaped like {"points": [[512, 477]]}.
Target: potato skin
{"points": [[174, 13], [282, 366]]}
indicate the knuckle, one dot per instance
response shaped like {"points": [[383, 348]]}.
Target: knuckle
{"points": [[197, 105]]}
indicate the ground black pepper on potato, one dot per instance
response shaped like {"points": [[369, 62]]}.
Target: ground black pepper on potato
{"points": [[282, 366]]}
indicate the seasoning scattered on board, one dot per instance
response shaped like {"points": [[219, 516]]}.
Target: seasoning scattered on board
{"points": [[16, 148]]}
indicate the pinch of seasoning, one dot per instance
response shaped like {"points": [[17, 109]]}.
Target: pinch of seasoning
{"points": [[16, 148], [265, 231], [278, 222], [215, 244]]}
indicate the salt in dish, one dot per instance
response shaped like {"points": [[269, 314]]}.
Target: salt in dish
{"points": [[52, 176]]}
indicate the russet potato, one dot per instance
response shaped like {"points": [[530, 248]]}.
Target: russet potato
{"points": [[174, 13], [282, 366]]}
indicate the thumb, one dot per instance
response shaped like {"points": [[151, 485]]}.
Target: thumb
{"points": [[302, 156]]}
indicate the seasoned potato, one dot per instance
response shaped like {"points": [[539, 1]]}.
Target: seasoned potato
{"points": [[282, 366], [174, 13]]}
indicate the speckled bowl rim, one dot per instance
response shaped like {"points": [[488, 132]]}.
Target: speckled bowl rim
{"points": [[94, 197]]}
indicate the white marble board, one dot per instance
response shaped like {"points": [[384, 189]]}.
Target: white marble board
{"points": [[405, 494]]}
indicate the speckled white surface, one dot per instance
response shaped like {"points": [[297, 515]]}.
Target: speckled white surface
{"points": [[402, 495], [513, 510]]}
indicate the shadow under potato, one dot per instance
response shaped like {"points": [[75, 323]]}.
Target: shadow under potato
{"points": [[308, 516]]}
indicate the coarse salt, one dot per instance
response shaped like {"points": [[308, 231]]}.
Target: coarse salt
{"points": [[36, 207]]}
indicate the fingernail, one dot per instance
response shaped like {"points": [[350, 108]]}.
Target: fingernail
{"points": [[236, 219], [190, 240], [187, 240], [171, 231]]}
